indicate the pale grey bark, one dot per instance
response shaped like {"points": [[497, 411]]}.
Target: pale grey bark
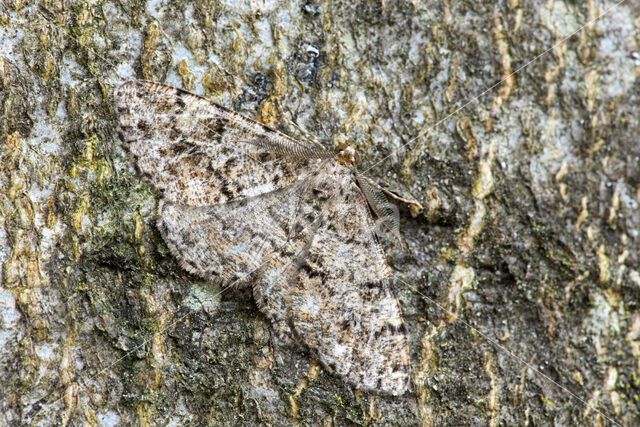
{"points": [[520, 281]]}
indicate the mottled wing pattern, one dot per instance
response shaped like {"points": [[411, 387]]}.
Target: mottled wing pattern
{"points": [[331, 290], [240, 198], [198, 153], [230, 241]]}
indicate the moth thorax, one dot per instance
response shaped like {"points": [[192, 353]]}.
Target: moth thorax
{"points": [[346, 155]]}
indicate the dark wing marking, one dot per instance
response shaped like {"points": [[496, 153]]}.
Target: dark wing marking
{"points": [[198, 153], [230, 241], [331, 290]]}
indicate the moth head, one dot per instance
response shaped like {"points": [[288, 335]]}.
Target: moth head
{"points": [[347, 155]]}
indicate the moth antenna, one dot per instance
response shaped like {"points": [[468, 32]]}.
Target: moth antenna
{"points": [[386, 212], [411, 202]]}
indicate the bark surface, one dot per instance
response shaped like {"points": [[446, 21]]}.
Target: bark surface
{"points": [[519, 282]]}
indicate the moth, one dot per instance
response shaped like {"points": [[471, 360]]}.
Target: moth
{"points": [[247, 205]]}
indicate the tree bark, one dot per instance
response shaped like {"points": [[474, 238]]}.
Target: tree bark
{"points": [[519, 280]]}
